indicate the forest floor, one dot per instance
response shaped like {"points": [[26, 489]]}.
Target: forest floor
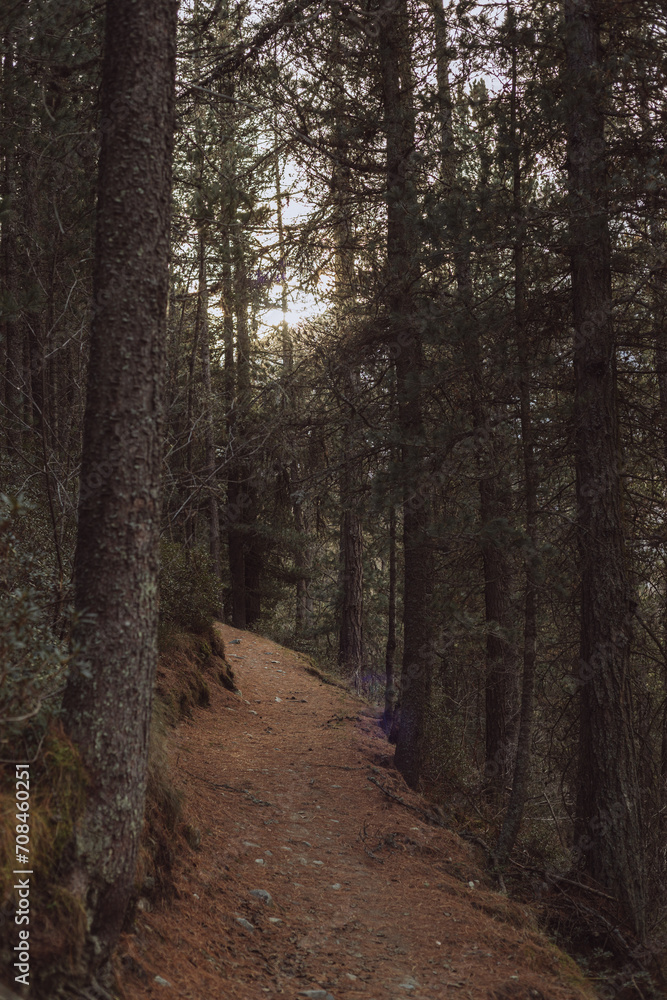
{"points": [[368, 900]]}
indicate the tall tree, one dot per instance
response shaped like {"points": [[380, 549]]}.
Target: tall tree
{"points": [[12, 344], [495, 500], [608, 828], [405, 335], [521, 774], [108, 699], [351, 640], [237, 484]]}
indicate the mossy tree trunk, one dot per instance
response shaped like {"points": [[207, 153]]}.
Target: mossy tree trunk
{"points": [[108, 699]]}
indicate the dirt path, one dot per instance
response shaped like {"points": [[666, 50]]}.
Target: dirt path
{"points": [[368, 900]]}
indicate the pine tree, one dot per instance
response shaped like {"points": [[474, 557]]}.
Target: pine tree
{"points": [[107, 703]]}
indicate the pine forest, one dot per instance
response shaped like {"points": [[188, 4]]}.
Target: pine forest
{"points": [[339, 324]]}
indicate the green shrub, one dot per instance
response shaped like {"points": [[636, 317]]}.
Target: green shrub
{"points": [[190, 595]]}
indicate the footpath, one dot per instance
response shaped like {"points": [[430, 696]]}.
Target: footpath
{"points": [[310, 878]]}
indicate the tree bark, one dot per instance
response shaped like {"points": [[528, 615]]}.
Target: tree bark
{"points": [[237, 488], [303, 608], [501, 682], [660, 328], [108, 698], [12, 374], [351, 641], [303, 560], [521, 776], [190, 509], [253, 562], [351, 632], [210, 477], [501, 688], [608, 828], [34, 322], [659, 304], [390, 650], [404, 336]]}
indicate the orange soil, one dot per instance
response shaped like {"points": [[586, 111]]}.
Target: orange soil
{"points": [[369, 901]]}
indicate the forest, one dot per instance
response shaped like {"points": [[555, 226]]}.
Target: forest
{"points": [[344, 323]]}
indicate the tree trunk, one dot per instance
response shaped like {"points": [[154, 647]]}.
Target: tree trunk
{"points": [[404, 337], [237, 488], [34, 322], [351, 642], [608, 830], [235, 497], [253, 563], [351, 637], [521, 777], [12, 374], [210, 477], [501, 683], [390, 651], [501, 690], [108, 698], [302, 553], [202, 335], [659, 303], [303, 561], [190, 507], [660, 327], [285, 340], [228, 383]]}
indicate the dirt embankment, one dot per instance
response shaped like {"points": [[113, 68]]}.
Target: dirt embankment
{"points": [[305, 875]]}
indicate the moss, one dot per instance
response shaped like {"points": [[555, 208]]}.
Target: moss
{"points": [[57, 797], [571, 974], [192, 835], [312, 668], [185, 705], [66, 781], [58, 784], [203, 693], [187, 664], [68, 919], [162, 816], [217, 643]]}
